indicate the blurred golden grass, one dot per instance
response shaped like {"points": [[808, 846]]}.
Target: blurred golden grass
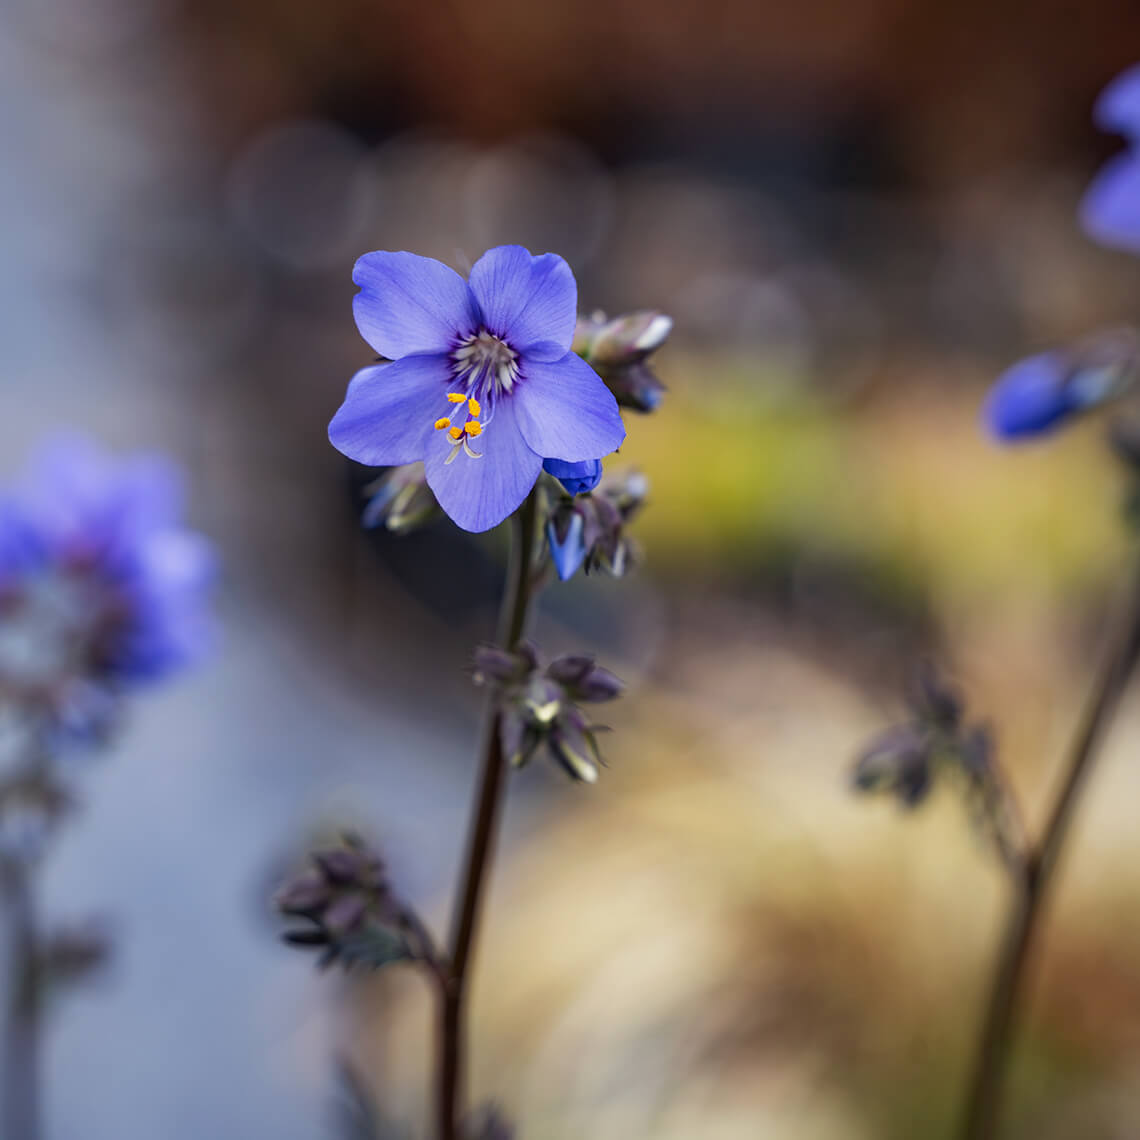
{"points": [[741, 463], [722, 941]]}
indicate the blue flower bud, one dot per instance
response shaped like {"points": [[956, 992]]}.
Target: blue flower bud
{"points": [[577, 478], [1039, 394], [567, 551]]}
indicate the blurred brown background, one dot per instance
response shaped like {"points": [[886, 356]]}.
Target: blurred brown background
{"points": [[857, 212]]}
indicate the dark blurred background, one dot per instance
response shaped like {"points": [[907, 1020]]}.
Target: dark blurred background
{"points": [[857, 212]]}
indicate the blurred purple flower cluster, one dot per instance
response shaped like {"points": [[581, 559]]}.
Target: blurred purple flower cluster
{"points": [[101, 586]]}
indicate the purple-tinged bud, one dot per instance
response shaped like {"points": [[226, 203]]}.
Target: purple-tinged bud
{"points": [[541, 702], [576, 478], [898, 762], [307, 894], [400, 500], [500, 666], [584, 680], [517, 737], [618, 351], [345, 913], [572, 744]]}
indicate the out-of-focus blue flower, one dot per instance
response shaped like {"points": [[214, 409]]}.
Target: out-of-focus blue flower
{"points": [[482, 385], [1110, 211], [577, 478], [99, 580], [1041, 393]]}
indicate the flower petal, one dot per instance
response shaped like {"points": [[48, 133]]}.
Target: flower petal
{"points": [[565, 410], [1110, 210], [478, 494], [388, 411], [410, 304], [531, 302], [1031, 398], [1118, 108]]}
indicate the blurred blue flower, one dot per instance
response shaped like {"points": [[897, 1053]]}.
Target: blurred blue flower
{"points": [[1110, 211], [99, 580], [1041, 393], [482, 385], [577, 478]]}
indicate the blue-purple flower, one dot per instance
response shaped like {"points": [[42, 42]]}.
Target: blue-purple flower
{"points": [[480, 384], [1110, 211], [1041, 393], [100, 583]]}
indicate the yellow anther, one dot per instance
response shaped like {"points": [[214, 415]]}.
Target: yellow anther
{"points": [[473, 427], [440, 424], [473, 407], [455, 397], [456, 433]]}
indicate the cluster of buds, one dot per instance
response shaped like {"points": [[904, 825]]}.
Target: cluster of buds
{"points": [[353, 916], [539, 707], [905, 760], [590, 530], [400, 500], [619, 352]]}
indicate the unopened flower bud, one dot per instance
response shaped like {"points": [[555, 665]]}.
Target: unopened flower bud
{"points": [[584, 680], [1039, 394], [305, 895], [576, 478], [572, 744], [565, 536], [499, 666], [898, 762], [618, 351], [400, 500]]}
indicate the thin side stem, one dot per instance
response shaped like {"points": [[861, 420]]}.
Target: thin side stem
{"points": [[983, 1105], [19, 1075], [513, 621]]}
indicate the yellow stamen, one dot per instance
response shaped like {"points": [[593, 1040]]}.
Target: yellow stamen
{"points": [[440, 424], [456, 433], [473, 428], [473, 407], [455, 397]]}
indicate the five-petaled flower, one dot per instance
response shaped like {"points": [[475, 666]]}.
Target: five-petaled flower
{"points": [[480, 384], [1110, 211]]}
